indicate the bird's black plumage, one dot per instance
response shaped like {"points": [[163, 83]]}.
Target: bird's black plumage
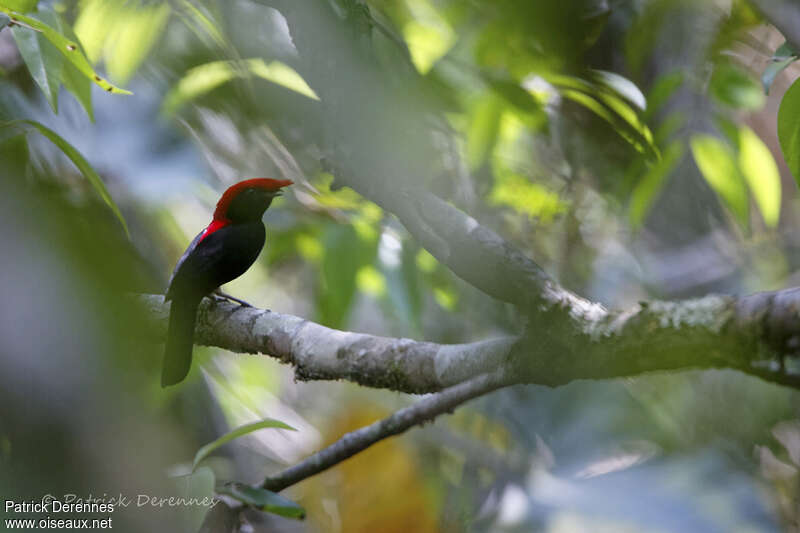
{"points": [[220, 253]]}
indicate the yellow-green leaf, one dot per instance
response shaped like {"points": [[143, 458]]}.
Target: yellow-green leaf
{"points": [[283, 75], [605, 101], [636, 133], [622, 86], [761, 173], [74, 81], [94, 23], [206, 450], [371, 281], [526, 197], [484, 123], [21, 6], [718, 166], [68, 47], [204, 78], [428, 35], [135, 33]]}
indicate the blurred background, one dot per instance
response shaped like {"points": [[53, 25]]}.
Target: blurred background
{"points": [[627, 146]]}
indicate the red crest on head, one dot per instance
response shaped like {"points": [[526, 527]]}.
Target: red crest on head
{"points": [[268, 184]]}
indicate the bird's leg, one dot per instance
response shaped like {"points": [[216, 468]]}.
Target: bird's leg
{"points": [[225, 296]]}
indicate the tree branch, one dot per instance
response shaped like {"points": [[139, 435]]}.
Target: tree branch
{"points": [[352, 443], [784, 15], [385, 156], [380, 157], [753, 334], [321, 353], [375, 141]]}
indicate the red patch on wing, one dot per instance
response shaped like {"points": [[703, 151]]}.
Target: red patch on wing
{"points": [[214, 226], [258, 183]]}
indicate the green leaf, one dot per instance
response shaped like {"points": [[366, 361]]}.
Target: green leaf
{"points": [[80, 87], [651, 184], [68, 47], [622, 86], [135, 33], [282, 74], [525, 197], [78, 160], [734, 87], [42, 59], [789, 128], [263, 499], [640, 139], [206, 450], [718, 166], [94, 23], [484, 124], [4, 20], [761, 173], [607, 104], [625, 112], [74, 81], [204, 78], [21, 6], [346, 251], [428, 35]]}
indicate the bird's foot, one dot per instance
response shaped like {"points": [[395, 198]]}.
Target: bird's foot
{"points": [[219, 295]]}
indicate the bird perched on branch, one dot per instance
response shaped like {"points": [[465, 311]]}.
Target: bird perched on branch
{"points": [[223, 251]]}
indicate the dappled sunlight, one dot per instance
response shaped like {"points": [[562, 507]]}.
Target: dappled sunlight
{"points": [[555, 211]]}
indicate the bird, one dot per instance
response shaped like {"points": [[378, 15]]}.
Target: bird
{"points": [[222, 252]]}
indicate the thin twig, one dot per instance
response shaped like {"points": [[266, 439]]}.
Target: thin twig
{"points": [[352, 443]]}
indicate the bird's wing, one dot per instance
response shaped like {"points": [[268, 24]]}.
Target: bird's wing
{"points": [[189, 249], [216, 258]]}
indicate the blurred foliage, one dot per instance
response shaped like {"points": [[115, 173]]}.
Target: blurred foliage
{"points": [[207, 449], [122, 33], [626, 145], [204, 78], [788, 129]]}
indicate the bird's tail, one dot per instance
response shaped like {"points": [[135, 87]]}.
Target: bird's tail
{"points": [[180, 340]]}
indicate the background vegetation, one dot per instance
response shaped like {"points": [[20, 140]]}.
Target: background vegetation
{"points": [[636, 149]]}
